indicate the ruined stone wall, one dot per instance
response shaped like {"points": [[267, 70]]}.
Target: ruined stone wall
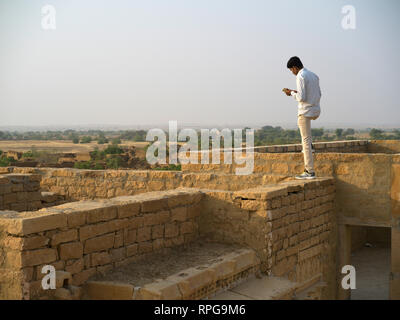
{"points": [[348, 146], [20, 192], [384, 146], [395, 236], [77, 184], [88, 237], [366, 184], [292, 227]]}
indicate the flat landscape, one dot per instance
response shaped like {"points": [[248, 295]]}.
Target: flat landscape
{"points": [[59, 146]]}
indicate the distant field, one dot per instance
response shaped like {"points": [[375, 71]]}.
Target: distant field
{"points": [[59, 146]]}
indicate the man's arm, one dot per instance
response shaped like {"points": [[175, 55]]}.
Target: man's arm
{"points": [[300, 94]]}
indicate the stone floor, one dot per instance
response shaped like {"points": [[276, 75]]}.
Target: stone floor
{"points": [[372, 266], [266, 288]]}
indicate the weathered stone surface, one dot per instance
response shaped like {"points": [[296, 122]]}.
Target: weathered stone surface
{"points": [[64, 236], [25, 243], [36, 257], [99, 243], [108, 290], [31, 222], [71, 250], [192, 280], [160, 290]]}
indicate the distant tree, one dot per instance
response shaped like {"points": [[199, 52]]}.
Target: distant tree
{"points": [[113, 149], [75, 140], [339, 132], [317, 132], [83, 165], [170, 167], [98, 166], [116, 141], [102, 140], [114, 162], [28, 154], [86, 139], [376, 134], [348, 132], [5, 161]]}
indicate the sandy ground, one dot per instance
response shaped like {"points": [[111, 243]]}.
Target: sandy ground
{"points": [[59, 145], [162, 265], [372, 273]]}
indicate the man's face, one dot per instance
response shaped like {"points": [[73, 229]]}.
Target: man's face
{"points": [[294, 70]]}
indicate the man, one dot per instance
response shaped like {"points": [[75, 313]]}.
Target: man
{"points": [[308, 95]]}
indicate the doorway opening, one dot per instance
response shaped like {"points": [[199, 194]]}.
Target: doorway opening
{"points": [[370, 255]]}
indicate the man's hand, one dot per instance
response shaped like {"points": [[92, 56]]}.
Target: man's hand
{"points": [[288, 91]]}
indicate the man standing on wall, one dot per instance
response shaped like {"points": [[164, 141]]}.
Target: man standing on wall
{"points": [[308, 95]]}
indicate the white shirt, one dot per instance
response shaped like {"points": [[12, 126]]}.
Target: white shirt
{"points": [[308, 93]]}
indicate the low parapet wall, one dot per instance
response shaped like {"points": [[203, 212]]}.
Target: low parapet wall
{"points": [[384, 146], [77, 184], [20, 192], [347, 146]]}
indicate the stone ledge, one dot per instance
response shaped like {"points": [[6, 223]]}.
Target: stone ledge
{"points": [[281, 189], [203, 281]]}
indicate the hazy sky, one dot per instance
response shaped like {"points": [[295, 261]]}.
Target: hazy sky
{"points": [[197, 61]]}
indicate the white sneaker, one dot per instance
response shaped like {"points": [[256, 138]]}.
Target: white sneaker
{"points": [[306, 175]]}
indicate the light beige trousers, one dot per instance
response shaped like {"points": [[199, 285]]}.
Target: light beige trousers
{"points": [[304, 124]]}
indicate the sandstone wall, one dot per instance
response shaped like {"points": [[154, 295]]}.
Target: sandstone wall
{"points": [[395, 236], [76, 184], [292, 227], [20, 192], [384, 146], [88, 237], [364, 182], [347, 146]]}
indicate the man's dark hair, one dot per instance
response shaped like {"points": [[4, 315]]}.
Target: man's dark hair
{"points": [[294, 62]]}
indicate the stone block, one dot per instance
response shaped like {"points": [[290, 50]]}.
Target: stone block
{"points": [[100, 258], [75, 266], [108, 290], [160, 290], [37, 257], [99, 243], [71, 250], [64, 236], [101, 214], [143, 234], [63, 279], [179, 214], [171, 230], [157, 232], [129, 210], [29, 223], [81, 277]]}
